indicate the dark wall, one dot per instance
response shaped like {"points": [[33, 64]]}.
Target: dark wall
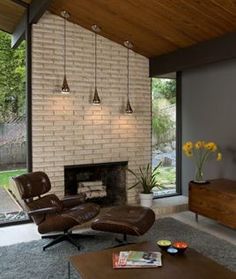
{"points": [[209, 113]]}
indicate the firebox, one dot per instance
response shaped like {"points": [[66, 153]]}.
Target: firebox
{"points": [[102, 183]]}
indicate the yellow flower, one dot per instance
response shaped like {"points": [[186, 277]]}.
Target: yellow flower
{"points": [[185, 148], [188, 146], [188, 153], [214, 148], [211, 146], [219, 156], [199, 144]]}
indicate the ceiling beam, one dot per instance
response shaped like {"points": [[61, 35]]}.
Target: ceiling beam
{"points": [[207, 52], [19, 33], [36, 10], [21, 3]]}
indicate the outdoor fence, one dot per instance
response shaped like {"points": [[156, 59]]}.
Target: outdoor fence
{"points": [[12, 144]]}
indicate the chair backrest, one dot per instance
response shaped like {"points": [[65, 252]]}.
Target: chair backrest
{"points": [[32, 184]]}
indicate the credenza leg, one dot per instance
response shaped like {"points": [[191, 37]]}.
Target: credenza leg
{"points": [[196, 217]]}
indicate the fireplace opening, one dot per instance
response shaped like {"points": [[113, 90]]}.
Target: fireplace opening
{"points": [[103, 183]]}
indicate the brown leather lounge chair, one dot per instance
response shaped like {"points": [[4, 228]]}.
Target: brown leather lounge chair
{"points": [[51, 214]]}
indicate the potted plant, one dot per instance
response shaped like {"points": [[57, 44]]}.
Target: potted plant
{"points": [[147, 178]]}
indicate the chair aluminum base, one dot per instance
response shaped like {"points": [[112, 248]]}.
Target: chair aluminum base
{"points": [[66, 236]]}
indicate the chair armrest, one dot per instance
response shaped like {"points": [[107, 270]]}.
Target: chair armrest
{"points": [[46, 210], [71, 201]]}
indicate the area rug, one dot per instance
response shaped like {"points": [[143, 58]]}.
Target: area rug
{"points": [[28, 261]]}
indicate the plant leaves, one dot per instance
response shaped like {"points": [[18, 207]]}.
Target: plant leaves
{"points": [[147, 177]]}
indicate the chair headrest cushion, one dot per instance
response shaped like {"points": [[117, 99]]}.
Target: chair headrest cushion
{"points": [[32, 184]]}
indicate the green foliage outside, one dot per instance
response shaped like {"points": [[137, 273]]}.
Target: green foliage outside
{"points": [[164, 88], [161, 123], [6, 175], [163, 95], [12, 79], [166, 176]]}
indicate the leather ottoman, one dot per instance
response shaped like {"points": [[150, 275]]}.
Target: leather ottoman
{"points": [[126, 220]]}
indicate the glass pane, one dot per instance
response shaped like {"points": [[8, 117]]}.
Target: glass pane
{"points": [[164, 134], [12, 126]]}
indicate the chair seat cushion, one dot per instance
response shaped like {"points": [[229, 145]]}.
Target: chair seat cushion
{"points": [[83, 212], [50, 200], [69, 218], [132, 220]]}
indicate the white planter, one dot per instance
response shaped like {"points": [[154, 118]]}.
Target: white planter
{"points": [[146, 199]]}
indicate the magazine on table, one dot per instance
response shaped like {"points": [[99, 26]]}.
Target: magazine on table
{"points": [[136, 259]]}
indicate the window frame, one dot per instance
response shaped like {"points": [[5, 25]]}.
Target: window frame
{"points": [[178, 136]]}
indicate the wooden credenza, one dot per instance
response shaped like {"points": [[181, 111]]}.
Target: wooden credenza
{"points": [[216, 200]]}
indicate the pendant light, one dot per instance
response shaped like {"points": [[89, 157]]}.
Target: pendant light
{"points": [[65, 89], [129, 46], [96, 100]]}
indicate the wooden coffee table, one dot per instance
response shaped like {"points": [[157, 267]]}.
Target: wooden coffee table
{"points": [[191, 265]]}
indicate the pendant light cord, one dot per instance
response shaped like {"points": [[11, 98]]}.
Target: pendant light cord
{"points": [[127, 73], [64, 46], [95, 59]]}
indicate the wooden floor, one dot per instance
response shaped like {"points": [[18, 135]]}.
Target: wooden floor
{"points": [[207, 225], [163, 207]]}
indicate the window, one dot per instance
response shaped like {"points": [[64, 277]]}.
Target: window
{"points": [[164, 147], [13, 146]]}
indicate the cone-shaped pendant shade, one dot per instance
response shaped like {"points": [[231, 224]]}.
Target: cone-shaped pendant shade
{"points": [[65, 89], [96, 99], [128, 107]]}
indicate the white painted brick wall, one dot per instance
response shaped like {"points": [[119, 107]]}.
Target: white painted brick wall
{"points": [[69, 130]]}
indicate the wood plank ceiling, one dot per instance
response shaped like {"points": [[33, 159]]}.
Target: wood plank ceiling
{"points": [[10, 15], [154, 26]]}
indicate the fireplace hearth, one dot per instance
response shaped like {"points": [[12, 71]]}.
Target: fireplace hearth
{"points": [[103, 183]]}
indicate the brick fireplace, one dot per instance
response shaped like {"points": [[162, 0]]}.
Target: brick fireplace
{"points": [[69, 130]]}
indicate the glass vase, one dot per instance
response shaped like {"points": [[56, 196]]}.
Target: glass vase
{"points": [[198, 178]]}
